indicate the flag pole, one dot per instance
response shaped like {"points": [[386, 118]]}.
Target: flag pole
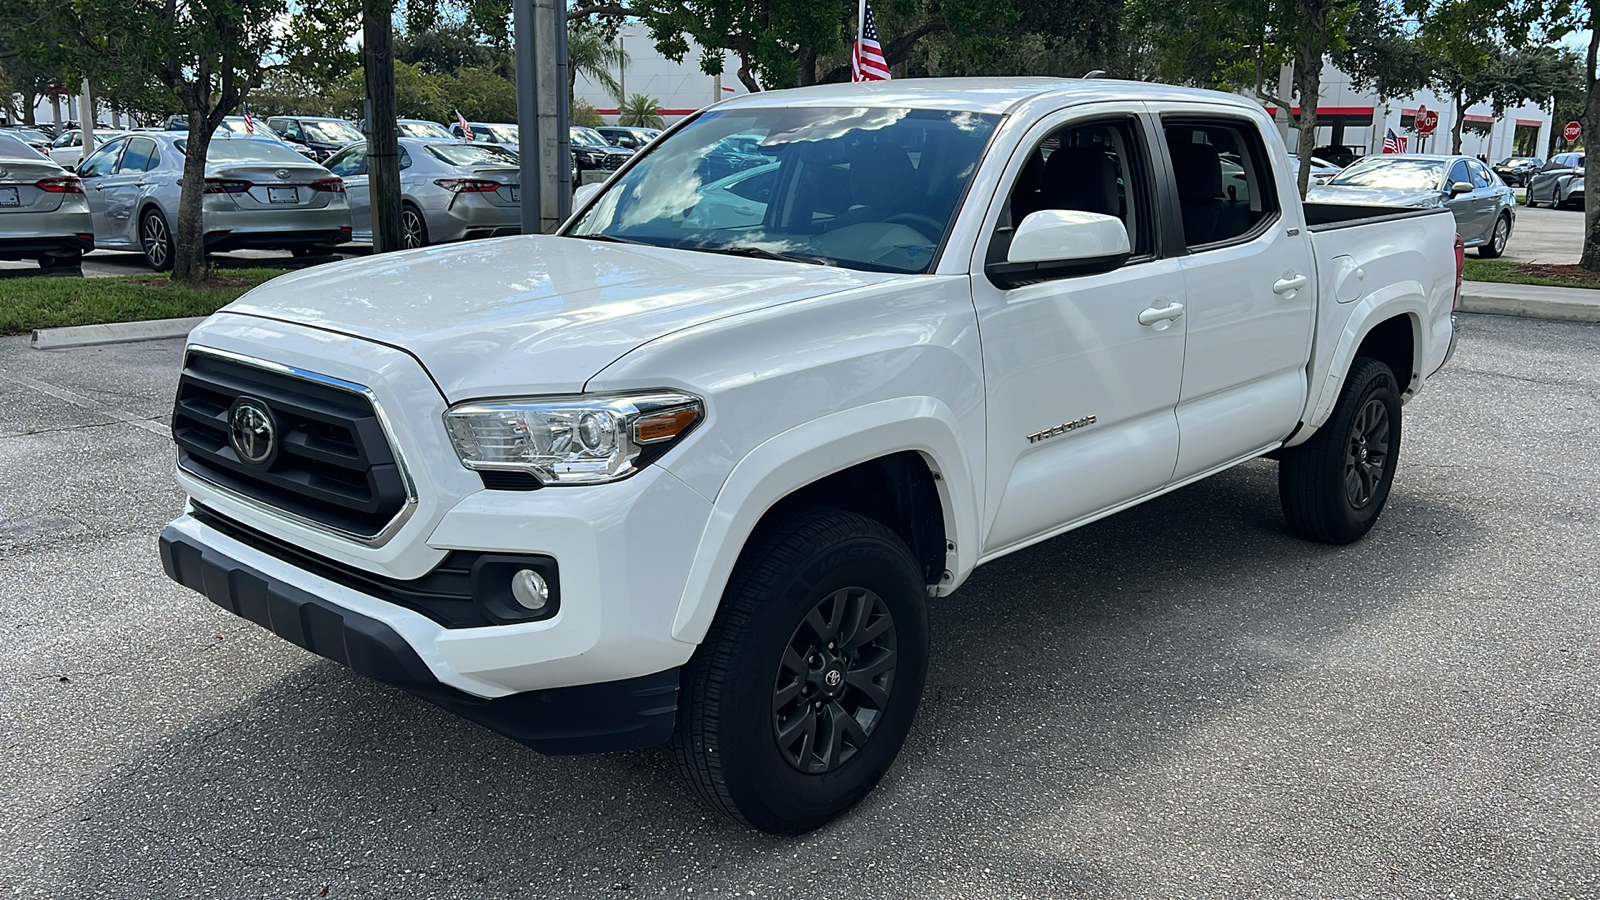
{"points": [[861, 33]]}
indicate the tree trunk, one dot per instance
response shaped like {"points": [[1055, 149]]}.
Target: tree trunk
{"points": [[1591, 163], [1308, 84], [747, 77], [807, 60], [1455, 127], [189, 251], [383, 139], [29, 101]]}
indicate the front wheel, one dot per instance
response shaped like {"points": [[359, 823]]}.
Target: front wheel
{"points": [[1333, 487], [806, 685], [1497, 239]]}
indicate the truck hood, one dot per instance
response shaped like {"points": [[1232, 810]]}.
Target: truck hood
{"points": [[533, 314], [1363, 196]]}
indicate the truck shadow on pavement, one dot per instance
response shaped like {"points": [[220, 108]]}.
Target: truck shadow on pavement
{"points": [[1077, 687]]}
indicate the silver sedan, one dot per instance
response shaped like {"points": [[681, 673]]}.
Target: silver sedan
{"points": [[1485, 209], [449, 191], [259, 194], [43, 213]]}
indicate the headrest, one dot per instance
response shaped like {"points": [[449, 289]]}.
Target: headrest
{"points": [[1082, 178], [881, 176], [1198, 171]]}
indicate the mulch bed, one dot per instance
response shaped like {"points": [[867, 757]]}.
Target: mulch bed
{"points": [[1568, 273]]}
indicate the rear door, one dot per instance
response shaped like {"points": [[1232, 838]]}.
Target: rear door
{"points": [[1082, 370], [120, 191], [1249, 287], [350, 164]]}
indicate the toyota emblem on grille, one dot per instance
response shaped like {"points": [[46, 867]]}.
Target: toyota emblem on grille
{"points": [[251, 431], [283, 174]]}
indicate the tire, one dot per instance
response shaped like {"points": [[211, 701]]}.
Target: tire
{"points": [[824, 574], [1497, 238], [155, 238], [1330, 487], [413, 227]]}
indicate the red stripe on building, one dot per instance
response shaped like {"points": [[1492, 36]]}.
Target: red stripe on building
{"points": [[1531, 123], [1481, 120], [664, 112]]}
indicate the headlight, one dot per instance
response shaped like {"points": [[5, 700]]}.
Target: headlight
{"points": [[572, 440]]}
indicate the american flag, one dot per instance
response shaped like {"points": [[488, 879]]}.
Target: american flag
{"points": [[867, 62], [249, 122], [466, 130], [1393, 143]]}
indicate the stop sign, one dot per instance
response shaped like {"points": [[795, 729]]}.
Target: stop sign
{"points": [[1427, 120], [1572, 131]]}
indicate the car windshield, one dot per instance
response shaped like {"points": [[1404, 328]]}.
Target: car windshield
{"points": [[588, 138], [473, 154], [495, 134], [12, 148], [424, 130], [1396, 174], [332, 131], [28, 134], [864, 188], [237, 126], [246, 150]]}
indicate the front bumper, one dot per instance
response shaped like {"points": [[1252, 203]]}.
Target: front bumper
{"points": [[616, 715]]}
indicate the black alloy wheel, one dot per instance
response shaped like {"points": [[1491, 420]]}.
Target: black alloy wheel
{"points": [[806, 685], [1334, 486], [834, 681]]}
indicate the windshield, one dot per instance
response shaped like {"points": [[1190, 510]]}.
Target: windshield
{"points": [[870, 189], [1396, 174], [424, 130], [495, 134], [588, 137], [330, 132], [473, 154], [233, 125]]}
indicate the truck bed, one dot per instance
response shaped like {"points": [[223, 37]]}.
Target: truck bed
{"points": [[1327, 216]]}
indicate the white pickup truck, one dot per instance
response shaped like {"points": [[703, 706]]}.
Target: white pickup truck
{"points": [[691, 469]]}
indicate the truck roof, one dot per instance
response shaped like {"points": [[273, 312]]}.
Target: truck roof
{"points": [[984, 95]]}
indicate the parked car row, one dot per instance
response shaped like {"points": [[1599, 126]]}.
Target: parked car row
{"points": [[1558, 183], [1485, 209]]}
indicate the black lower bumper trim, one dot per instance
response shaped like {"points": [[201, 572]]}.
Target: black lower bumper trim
{"points": [[28, 248], [223, 241], [614, 715]]}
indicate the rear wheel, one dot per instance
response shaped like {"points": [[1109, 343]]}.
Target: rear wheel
{"points": [[1333, 487], [156, 240], [1497, 239], [806, 685], [413, 227]]}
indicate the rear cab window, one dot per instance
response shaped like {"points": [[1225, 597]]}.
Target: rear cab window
{"points": [[1223, 178]]}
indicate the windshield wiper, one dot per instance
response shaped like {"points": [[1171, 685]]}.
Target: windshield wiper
{"points": [[610, 238], [764, 253]]}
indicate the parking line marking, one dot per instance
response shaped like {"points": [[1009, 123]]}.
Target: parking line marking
{"points": [[77, 399]]}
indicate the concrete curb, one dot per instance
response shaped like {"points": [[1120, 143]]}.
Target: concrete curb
{"points": [[1531, 301], [112, 333]]}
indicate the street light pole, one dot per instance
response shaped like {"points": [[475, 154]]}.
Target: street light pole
{"points": [[527, 114]]}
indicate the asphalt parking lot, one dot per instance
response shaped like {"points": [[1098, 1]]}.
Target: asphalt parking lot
{"points": [[1179, 701], [1546, 236]]}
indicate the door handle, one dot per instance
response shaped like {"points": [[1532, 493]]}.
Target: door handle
{"points": [[1152, 315], [1292, 283]]}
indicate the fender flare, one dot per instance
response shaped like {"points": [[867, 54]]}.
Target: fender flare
{"points": [[806, 453], [1407, 298]]}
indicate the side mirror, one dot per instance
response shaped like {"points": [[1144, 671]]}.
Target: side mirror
{"points": [[1057, 243], [1460, 187], [584, 194]]}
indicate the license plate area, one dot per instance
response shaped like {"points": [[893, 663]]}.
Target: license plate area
{"points": [[283, 195], [10, 196]]}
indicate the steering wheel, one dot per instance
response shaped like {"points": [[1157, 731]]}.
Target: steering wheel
{"points": [[933, 231]]}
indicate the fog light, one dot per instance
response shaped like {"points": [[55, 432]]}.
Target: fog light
{"points": [[530, 590]]}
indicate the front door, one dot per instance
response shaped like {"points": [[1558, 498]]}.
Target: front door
{"points": [[1250, 291], [99, 168], [1082, 371], [122, 190]]}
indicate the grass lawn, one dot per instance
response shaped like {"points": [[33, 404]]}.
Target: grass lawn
{"points": [[1531, 273], [39, 301]]}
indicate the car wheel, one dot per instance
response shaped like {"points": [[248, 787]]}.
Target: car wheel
{"points": [[156, 240], [1497, 240], [1333, 487], [804, 690], [413, 227]]}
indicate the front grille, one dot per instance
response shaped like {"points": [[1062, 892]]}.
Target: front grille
{"points": [[613, 161], [332, 466]]}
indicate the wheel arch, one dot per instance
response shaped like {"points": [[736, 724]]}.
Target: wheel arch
{"points": [[1388, 329], [896, 461]]}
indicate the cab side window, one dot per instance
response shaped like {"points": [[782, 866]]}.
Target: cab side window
{"points": [[1480, 175], [1098, 167], [349, 162], [141, 156], [1458, 172], [1224, 182]]}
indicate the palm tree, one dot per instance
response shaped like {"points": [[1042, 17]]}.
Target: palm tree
{"points": [[639, 111], [590, 54]]}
